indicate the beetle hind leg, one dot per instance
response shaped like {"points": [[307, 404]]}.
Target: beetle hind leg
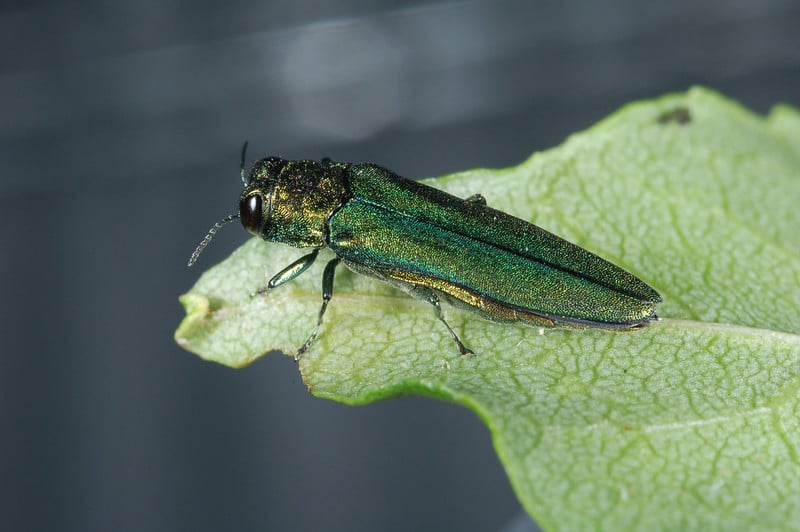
{"points": [[477, 199], [429, 296]]}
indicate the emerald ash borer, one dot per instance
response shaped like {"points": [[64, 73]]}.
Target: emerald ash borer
{"points": [[433, 245]]}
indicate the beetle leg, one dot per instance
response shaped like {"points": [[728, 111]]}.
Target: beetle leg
{"points": [[327, 294], [476, 198], [433, 299], [288, 273]]}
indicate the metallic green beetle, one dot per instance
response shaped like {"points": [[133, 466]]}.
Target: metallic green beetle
{"points": [[433, 245]]}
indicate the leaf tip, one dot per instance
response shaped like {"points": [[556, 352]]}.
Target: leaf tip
{"points": [[197, 308]]}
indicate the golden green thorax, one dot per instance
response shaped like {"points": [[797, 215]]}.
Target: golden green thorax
{"points": [[290, 201]]}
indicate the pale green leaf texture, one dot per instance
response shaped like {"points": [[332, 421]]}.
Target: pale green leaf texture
{"points": [[690, 423]]}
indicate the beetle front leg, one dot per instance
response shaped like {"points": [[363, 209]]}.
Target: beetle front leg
{"points": [[327, 294], [288, 273]]}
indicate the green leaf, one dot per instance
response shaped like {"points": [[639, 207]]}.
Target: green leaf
{"points": [[690, 423]]}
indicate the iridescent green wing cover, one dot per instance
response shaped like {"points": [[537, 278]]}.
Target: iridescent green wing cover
{"points": [[487, 260]]}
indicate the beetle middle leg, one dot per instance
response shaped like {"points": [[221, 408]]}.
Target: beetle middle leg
{"points": [[327, 294]]}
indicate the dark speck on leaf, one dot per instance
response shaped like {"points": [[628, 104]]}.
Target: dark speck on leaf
{"points": [[681, 115]]}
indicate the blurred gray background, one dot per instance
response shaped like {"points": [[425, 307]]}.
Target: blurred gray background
{"points": [[119, 145]]}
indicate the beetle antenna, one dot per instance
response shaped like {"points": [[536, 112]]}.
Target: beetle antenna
{"points": [[211, 232], [244, 152]]}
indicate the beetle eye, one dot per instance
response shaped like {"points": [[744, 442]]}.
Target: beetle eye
{"points": [[250, 212]]}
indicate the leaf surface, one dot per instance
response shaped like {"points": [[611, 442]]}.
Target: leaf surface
{"points": [[690, 423]]}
